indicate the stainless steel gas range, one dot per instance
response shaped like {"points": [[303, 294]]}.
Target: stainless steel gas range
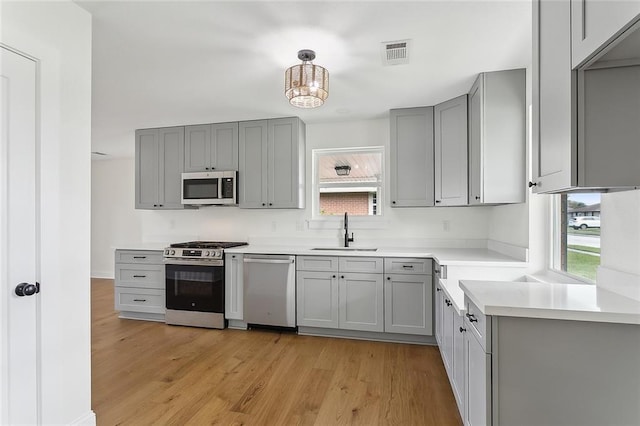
{"points": [[195, 283]]}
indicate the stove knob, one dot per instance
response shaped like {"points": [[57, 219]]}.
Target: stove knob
{"points": [[172, 252], [166, 252], [206, 253]]}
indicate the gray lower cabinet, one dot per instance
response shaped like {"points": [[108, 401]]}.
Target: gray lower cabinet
{"points": [[497, 138], [360, 304], [158, 168], [451, 160], [408, 296], [234, 286], [211, 147], [450, 338], [533, 371], [412, 166], [340, 292], [594, 23], [271, 163], [140, 284]]}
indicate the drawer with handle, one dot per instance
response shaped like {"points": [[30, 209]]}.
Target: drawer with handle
{"points": [[140, 300], [479, 324], [140, 276], [139, 256], [404, 265]]}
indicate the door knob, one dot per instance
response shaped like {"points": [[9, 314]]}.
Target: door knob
{"points": [[26, 289]]}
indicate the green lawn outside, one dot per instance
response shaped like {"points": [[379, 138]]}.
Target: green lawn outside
{"points": [[584, 248], [582, 265], [588, 231]]}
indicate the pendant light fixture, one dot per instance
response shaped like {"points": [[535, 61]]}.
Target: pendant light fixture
{"points": [[306, 85]]}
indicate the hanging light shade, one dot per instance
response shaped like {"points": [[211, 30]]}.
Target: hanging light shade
{"points": [[306, 85]]}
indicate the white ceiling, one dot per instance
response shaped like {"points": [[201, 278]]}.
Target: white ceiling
{"points": [[159, 63]]}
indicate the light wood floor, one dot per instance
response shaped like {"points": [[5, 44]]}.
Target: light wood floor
{"points": [[147, 373]]}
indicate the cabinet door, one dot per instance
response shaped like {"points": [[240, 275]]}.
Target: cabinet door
{"points": [[233, 286], [451, 164], [554, 91], [147, 169], [408, 304], [458, 360], [171, 167], [197, 147], [252, 166], [412, 157], [317, 299], [594, 23], [283, 164], [439, 308], [477, 383], [224, 146], [476, 98], [361, 302], [447, 335]]}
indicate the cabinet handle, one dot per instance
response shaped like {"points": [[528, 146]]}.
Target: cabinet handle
{"points": [[438, 289], [462, 330], [389, 278], [448, 302], [437, 201], [436, 271], [341, 276], [139, 276], [139, 300], [263, 204], [393, 202], [139, 257], [333, 276], [533, 184], [477, 197], [159, 205], [206, 168], [155, 205], [270, 204], [407, 266], [213, 168], [472, 318]]}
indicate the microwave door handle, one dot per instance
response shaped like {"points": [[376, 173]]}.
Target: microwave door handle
{"points": [[220, 183]]}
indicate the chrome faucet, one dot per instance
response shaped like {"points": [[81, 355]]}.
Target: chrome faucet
{"points": [[347, 239]]}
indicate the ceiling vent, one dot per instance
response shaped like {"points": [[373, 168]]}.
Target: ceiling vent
{"points": [[395, 52]]}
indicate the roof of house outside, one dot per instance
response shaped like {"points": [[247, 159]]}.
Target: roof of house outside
{"points": [[591, 208]]}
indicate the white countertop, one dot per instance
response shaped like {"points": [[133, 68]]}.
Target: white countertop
{"points": [[455, 294], [578, 302], [445, 256], [142, 246]]}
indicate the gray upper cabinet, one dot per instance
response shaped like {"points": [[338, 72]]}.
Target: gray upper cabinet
{"points": [[412, 172], [211, 147], [497, 138], [450, 140], [272, 163], [594, 23], [585, 121], [158, 169]]}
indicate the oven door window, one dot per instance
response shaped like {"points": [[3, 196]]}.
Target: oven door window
{"points": [[195, 288], [201, 189]]}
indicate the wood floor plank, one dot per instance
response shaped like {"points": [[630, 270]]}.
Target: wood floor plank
{"points": [[148, 373]]}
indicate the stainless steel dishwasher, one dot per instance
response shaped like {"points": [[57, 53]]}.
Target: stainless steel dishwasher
{"points": [[270, 290]]}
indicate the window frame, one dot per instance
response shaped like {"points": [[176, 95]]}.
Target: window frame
{"points": [[319, 221]]}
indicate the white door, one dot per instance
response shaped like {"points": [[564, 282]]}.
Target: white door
{"points": [[19, 372]]}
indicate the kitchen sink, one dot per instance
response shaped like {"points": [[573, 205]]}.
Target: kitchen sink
{"points": [[344, 249]]}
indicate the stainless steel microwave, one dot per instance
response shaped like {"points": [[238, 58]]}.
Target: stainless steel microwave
{"points": [[210, 188]]}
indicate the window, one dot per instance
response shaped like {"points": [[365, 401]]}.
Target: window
{"points": [[347, 180], [577, 224]]}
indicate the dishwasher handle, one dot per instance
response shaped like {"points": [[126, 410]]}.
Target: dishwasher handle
{"points": [[270, 261]]}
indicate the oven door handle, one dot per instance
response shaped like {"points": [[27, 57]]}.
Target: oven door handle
{"points": [[271, 261], [194, 262]]}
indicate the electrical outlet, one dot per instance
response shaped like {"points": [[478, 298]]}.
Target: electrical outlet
{"points": [[446, 225]]}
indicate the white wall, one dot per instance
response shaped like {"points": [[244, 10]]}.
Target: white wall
{"points": [[117, 224], [58, 35], [620, 239]]}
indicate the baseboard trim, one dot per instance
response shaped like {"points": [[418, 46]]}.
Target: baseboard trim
{"points": [[368, 335], [87, 419]]}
